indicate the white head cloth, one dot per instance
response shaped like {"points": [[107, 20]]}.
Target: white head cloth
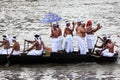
{"points": [[78, 20], [55, 24], [14, 38], [37, 37], [67, 22], [82, 22]]}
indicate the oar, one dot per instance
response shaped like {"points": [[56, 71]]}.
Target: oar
{"points": [[95, 44], [27, 45], [8, 61], [24, 46]]}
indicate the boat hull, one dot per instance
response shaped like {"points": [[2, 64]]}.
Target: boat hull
{"points": [[56, 58]]}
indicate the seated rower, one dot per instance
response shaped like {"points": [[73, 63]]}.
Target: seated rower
{"points": [[15, 47], [6, 45], [108, 50], [37, 46]]}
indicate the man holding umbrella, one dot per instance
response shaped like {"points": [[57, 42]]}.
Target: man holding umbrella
{"points": [[56, 41]]}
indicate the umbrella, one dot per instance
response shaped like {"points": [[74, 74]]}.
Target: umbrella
{"points": [[51, 17]]}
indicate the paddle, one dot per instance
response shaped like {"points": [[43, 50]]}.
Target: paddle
{"points": [[94, 45], [8, 61], [27, 45], [24, 45]]}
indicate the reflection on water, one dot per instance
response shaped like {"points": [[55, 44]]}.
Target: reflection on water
{"points": [[83, 71], [22, 18]]}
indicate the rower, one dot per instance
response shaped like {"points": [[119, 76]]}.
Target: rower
{"points": [[68, 39], [60, 38], [81, 34], [37, 46], [6, 45], [108, 50], [56, 38], [90, 33], [15, 47]]}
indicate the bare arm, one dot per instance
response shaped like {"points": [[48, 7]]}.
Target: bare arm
{"points": [[73, 23], [13, 48], [1, 41], [43, 45], [100, 39], [1, 45], [29, 41], [31, 47], [64, 33], [97, 28]]}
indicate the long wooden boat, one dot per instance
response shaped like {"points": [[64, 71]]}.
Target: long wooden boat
{"points": [[74, 57]]}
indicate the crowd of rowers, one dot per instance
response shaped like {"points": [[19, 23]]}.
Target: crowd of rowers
{"points": [[59, 43]]}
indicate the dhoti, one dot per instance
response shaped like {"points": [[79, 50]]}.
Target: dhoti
{"points": [[90, 41], [68, 44], [35, 52], [107, 53], [60, 40], [81, 45], [16, 52], [54, 44], [6, 51]]}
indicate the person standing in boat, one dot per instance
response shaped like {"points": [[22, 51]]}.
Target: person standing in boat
{"points": [[6, 45], [37, 46], [60, 38], [90, 34], [108, 50], [15, 48], [68, 34], [81, 34], [56, 38]]}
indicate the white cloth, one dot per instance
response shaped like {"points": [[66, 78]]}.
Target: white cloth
{"points": [[1, 51], [38, 40], [81, 45], [90, 41], [60, 40], [56, 44], [16, 52], [68, 44], [35, 52], [6, 51], [107, 53]]}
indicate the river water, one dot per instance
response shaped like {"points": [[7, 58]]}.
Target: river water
{"points": [[22, 18]]}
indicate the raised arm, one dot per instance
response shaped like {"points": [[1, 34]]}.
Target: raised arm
{"points": [[64, 32], [97, 28], [73, 23]]}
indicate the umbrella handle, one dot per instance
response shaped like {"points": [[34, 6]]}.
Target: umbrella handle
{"points": [[50, 24]]}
